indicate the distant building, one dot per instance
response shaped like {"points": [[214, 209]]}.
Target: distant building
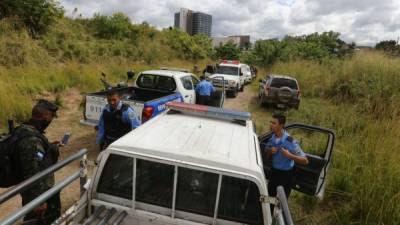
{"points": [[241, 41], [193, 22]]}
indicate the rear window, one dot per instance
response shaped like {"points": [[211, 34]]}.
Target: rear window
{"points": [[117, 177], [154, 183], [196, 191], [240, 201], [282, 82], [157, 82]]}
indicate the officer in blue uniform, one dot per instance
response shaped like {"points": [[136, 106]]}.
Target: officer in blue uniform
{"points": [[284, 152], [204, 89], [116, 120]]}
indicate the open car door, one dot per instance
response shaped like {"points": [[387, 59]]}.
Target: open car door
{"points": [[317, 143], [218, 96]]}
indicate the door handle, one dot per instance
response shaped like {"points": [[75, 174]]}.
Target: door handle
{"points": [[186, 96]]}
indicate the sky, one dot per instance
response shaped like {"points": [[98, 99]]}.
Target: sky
{"points": [[365, 22]]}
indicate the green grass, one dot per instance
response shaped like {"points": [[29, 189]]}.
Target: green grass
{"points": [[364, 179]]}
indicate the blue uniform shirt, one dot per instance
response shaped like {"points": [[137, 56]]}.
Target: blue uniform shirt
{"points": [[204, 88], [128, 116], [279, 161]]}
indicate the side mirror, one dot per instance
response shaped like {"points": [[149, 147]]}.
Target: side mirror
{"points": [[130, 74], [241, 73]]}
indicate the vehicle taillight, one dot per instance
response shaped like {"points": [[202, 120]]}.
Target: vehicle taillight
{"points": [[147, 113], [298, 94]]}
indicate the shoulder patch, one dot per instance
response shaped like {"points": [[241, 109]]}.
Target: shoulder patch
{"points": [[290, 139]]}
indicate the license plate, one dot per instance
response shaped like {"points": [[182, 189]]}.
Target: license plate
{"points": [[280, 105]]}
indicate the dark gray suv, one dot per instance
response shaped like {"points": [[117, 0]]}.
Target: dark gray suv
{"points": [[280, 90]]}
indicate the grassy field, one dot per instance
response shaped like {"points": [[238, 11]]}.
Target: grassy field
{"points": [[359, 99]]}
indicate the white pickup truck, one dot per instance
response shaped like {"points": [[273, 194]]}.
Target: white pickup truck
{"points": [[235, 75], [152, 89], [196, 165]]}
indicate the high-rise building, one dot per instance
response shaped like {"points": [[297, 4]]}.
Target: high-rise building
{"points": [[193, 22], [201, 23]]}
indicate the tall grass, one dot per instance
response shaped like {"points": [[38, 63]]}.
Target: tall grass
{"points": [[359, 99]]}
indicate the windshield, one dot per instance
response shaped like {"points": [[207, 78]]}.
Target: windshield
{"points": [[157, 82], [282, 82], [228, 70]]}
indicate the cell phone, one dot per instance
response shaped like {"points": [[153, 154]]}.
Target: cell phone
{"points": [[65, 139]]}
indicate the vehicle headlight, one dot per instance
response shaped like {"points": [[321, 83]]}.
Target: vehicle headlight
{"points": [[231, 82]]}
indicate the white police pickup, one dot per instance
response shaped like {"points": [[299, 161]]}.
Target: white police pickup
{"points": [[235, 76], [196, 165], [149, 94]]}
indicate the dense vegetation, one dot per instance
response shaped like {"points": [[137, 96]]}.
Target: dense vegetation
{"points": [[356, 94], [358, 98]]}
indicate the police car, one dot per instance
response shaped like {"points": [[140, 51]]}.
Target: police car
{"points": [[235, 75], [196, 165], [152, 89]]}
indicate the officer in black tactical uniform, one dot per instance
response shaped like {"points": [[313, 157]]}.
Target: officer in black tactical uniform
{"points": [[32, 154], [116, 120]]}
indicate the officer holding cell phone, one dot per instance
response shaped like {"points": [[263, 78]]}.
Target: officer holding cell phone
{"points": [[284, 151]]}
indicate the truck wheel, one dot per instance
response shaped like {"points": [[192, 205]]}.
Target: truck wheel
{"points": [[235, 93], [241, 88]]}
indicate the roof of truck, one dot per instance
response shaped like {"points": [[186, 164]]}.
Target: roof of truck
{"points": [[168, 73], [196, 140]]}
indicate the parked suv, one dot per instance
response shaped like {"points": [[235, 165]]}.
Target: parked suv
{"points": [[280, 90]]}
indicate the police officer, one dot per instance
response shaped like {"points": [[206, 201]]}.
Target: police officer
{"points": [[116, 120], [32, 154], [284, 152], [204, 89]]}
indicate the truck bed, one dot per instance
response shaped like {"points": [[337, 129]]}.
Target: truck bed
{"points": [[136, 94], [136, 97], [103, 216]]}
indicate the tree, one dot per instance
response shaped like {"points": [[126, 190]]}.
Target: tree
{"points": [[37, 15], [390, 46], [228, 50]]}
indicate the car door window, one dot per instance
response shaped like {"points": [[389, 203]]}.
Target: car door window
{"points": [[187, 82], [195, 80], [196, 191], [117, 177], [154, 183], [240, 201]]}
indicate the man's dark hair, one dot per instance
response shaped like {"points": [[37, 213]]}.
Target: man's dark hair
{"points": [[113, 92], [43, 106], [280, 117], [202, 77]]}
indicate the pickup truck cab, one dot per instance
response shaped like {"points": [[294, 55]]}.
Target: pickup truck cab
{"points": [[152, 89], [194, 165], [233, 73]]}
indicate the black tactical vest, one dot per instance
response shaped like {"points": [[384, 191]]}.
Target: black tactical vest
{"points": [[113, 125]]}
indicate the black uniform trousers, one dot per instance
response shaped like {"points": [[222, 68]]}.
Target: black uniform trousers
{"points": [[280, 178], [204, 100]]}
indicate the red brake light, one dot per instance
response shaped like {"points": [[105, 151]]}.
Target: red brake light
{"points": [[298, 94], [147, 113]]}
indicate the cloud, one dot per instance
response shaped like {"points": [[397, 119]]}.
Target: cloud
{"points": [[365, 22]]}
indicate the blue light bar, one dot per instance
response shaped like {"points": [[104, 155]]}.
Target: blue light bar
{"points": [[208, 111]]}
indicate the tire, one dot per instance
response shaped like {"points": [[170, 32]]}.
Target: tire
{"points": [[285, 94], [241, 88], [262, 102], [235, 93]]}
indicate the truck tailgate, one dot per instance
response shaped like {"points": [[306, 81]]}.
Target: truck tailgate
{"points": [[95, 105]]}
